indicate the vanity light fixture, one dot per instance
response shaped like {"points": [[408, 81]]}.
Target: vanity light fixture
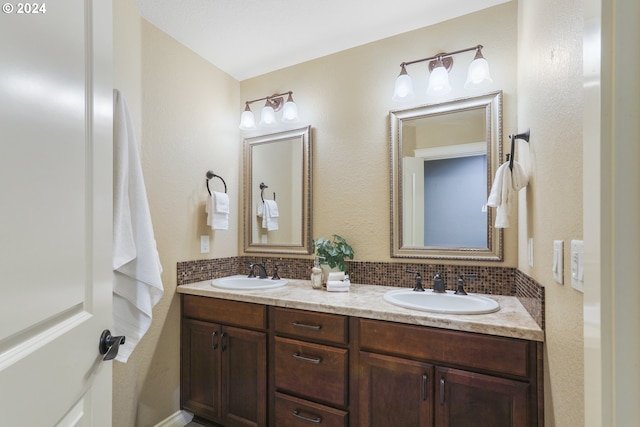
{"points": [[439, 65], [272, 104]]}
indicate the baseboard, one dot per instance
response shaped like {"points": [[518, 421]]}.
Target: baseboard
{"points": [[177, 419]]}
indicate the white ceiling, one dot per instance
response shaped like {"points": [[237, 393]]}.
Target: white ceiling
{"points": [[247, 38]]}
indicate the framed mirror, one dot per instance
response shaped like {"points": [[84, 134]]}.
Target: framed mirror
{"points": [[277, 192], [443, 158]]}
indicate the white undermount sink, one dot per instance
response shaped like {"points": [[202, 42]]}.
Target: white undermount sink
{"points": [[449, 302], [242, 282]]}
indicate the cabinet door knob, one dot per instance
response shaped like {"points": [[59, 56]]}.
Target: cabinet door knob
{"points": [[317, 419], [442, 391]]}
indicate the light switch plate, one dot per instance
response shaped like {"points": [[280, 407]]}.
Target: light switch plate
{"points": [[558, 255], [577, 265]]}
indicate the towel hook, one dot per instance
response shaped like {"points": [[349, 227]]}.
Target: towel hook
{"points": [[211, 175], [524, 136]]}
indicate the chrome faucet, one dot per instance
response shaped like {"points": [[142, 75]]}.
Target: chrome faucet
{"points": [[460, 289], [418, 287], [262, 272], [438, 284], [276, 276]]}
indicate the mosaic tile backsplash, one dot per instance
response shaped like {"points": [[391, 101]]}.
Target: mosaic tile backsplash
{"points": [[489, 280]]}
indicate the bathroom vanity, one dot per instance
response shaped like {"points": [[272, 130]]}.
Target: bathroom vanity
{"points": [[295, 356]]}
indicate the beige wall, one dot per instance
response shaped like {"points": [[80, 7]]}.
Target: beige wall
{"points": [[188, 111], [550, 103], [346, 98], [187, 118]]}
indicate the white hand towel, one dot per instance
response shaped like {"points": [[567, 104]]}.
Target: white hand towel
{"points": [[273, 213], [218, 211], [137, 284], [269, 212], [519, 178], [262, 213], [495, 198], [336, 275], [222, 202], [337, 286], [507, 182]]}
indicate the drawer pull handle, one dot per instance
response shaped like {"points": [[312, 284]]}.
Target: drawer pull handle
{"points": [[305, 326], [317, 419], [425, 381], [442, 391], [315, 360]]}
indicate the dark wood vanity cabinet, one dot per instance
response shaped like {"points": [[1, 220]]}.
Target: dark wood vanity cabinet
{"points": [[451, 378], [224, 361], [246, 364], [310, 368]]}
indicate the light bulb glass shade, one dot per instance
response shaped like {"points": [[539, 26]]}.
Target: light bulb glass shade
{"points": [[439, 81], [267, 116], [478, 75], [404, 87], [247, 121], [290, 112]]}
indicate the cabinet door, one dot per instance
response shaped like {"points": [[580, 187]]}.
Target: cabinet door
{"points": [[469, 399], [244, 377], [200, 366], [395, 392]]}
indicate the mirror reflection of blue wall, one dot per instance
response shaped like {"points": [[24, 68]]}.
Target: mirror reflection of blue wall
{"points": [[460, 187]]}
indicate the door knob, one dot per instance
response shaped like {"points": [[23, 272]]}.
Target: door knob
{"points": [[109, 344]]}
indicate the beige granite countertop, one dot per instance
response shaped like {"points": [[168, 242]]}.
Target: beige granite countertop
{"points": [[366, 301]]}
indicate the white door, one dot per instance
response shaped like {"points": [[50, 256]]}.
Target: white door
{"points": [[55, 218]]}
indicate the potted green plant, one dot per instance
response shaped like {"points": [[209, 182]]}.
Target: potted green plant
{"points": [[333, 252]]}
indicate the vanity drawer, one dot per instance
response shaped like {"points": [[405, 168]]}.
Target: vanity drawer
{"points": [[311, 325], [235, 313], [498, 354], [315, 371], [293, 412]]}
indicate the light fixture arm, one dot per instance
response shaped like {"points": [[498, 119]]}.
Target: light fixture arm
{"points": [[275, 101], [442, 55]]}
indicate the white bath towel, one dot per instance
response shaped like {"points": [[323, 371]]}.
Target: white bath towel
{"points": [[137, 285], [269, 212], [217, 209], [505, 185]]}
